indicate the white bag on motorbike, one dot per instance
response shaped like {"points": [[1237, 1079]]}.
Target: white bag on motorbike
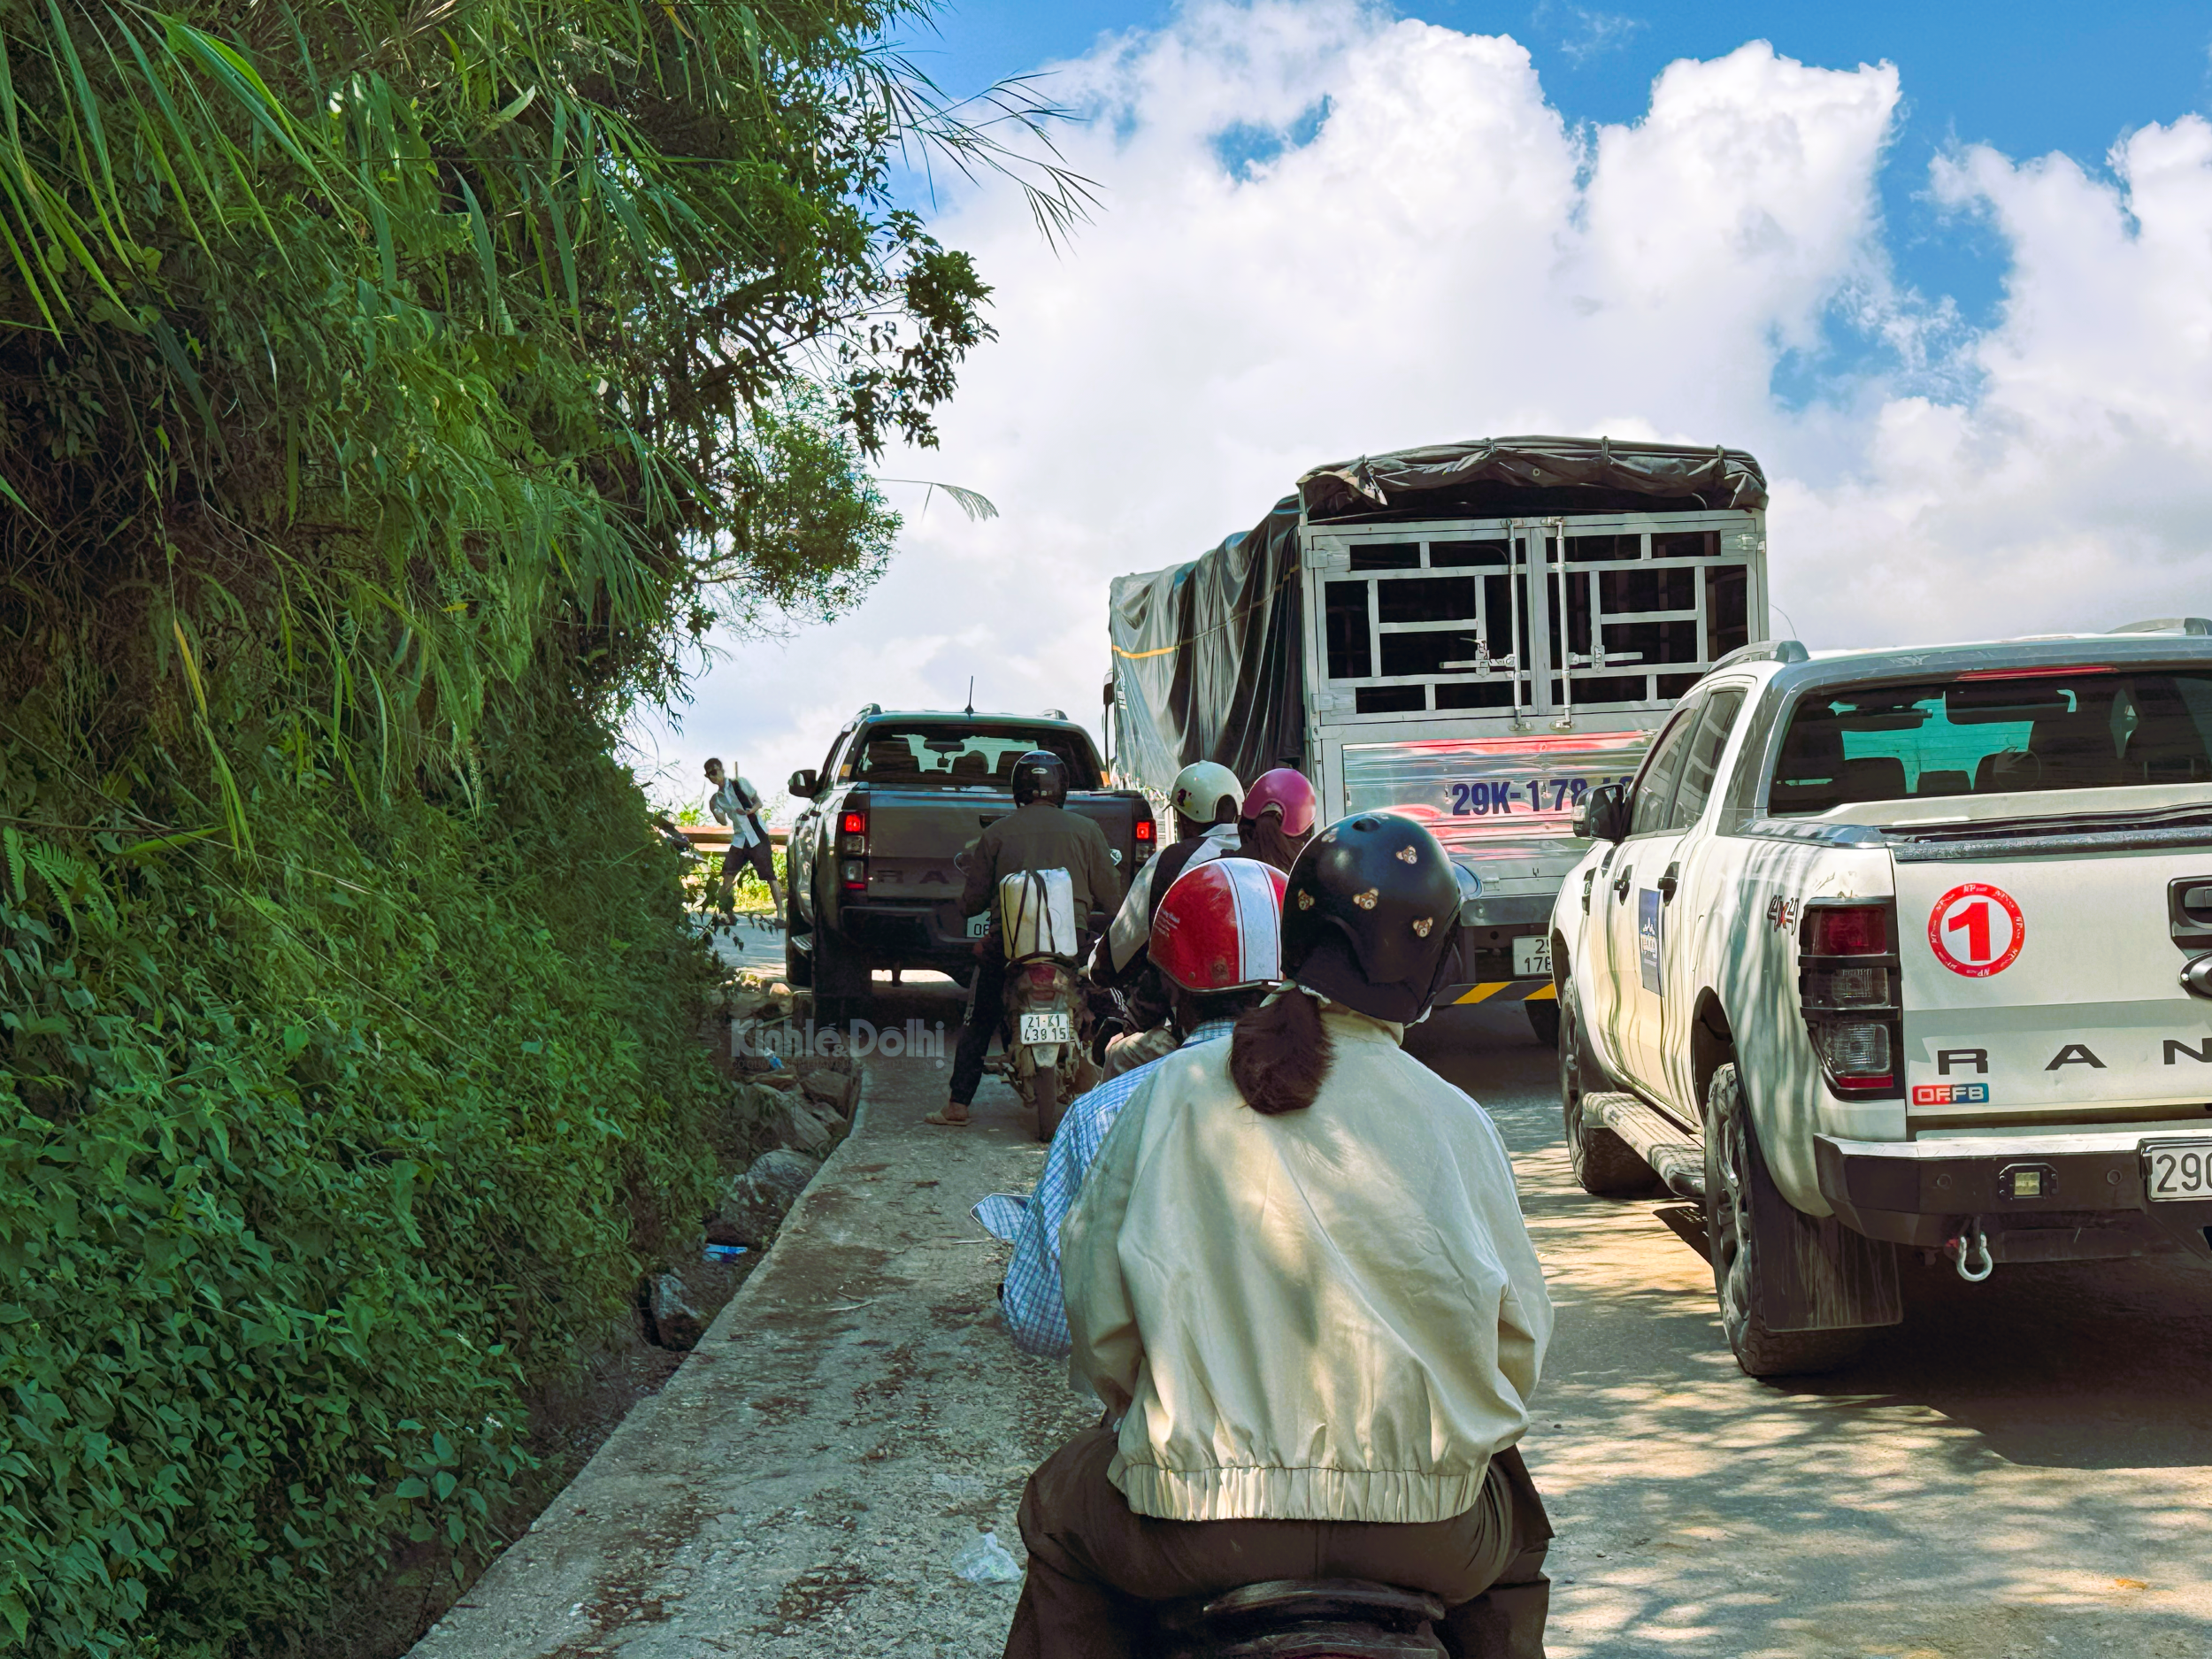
{"points": [[1036, 915]]}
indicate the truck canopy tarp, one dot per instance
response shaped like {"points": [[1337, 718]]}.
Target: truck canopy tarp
{"points": [[1208, 656], [1209, 663], [1420, 480]]}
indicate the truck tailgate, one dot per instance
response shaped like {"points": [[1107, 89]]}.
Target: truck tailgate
{"points": [[914, 835], [2047, 987]]}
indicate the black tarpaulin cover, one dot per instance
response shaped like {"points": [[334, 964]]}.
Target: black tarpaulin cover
{"points": [[1381, 483], [1208, 656]]}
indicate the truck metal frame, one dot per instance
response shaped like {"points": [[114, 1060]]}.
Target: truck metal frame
{"points": [[1471, 666]]}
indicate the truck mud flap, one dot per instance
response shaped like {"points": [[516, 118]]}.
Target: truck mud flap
{"points": [[1814, 1273]]}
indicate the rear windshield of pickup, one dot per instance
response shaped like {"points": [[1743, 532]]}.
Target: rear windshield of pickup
{"points": [[2070, 729], [902, 755]]}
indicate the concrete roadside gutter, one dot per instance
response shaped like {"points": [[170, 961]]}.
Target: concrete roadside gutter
{"points": [[847, 1426]]}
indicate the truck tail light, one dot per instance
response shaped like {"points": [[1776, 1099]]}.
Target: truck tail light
{"points": [[1846, 930], [1847, 989], [1146, 832], [852, 832], [1856, 1050], [855, 873]]}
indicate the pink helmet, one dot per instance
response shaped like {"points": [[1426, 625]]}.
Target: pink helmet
{"points": [[1286, 793], [1220, 926]]}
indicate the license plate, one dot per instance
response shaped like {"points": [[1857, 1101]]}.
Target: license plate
{"points": [[1056, 1025], [2178, 1168], [979, 926], [1532, 957]]}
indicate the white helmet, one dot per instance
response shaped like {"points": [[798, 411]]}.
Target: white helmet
{"points": [[1202, 789]]}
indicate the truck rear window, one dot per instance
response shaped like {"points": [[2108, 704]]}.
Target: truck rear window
{"points": [[2095, 728], [919, 757]]}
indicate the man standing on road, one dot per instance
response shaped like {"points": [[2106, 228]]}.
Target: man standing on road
{"points": [[1217, 939], [734, 800], [1040, 833]]}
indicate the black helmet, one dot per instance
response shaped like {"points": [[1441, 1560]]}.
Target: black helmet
{"points": [[1040, 775], [1370, 916]]}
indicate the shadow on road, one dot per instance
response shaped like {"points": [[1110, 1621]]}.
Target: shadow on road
{"points": [[2019, 1467]]}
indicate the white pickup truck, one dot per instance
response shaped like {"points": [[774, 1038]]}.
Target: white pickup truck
{"points": [[1903, 951]]}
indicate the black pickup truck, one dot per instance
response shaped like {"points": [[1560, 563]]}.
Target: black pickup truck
{"points": [[875, 881]]}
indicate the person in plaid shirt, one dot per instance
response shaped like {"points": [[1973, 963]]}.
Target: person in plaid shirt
{"points": [[1217, 939]]}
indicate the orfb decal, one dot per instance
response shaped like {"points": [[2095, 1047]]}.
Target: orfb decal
{"points": [[1950, 1093], [1977, 930]]}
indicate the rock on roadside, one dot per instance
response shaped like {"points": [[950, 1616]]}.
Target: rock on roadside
{"points": [[671, 1321], [753, 1203]]}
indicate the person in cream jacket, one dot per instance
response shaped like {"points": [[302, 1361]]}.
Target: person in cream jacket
{"points": [[1299, 1280]]}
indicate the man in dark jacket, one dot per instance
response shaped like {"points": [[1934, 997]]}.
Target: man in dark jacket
{"points": [[1040, 834]]}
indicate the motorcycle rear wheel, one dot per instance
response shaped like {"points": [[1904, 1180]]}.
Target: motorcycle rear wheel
{"points": [[1044, 1092]]}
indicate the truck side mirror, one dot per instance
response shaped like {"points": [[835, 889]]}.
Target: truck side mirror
{"points": [[1603, 814], [805, 784]]}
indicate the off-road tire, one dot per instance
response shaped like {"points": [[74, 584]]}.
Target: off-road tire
{"points": [[1736, 1188], [840, 979], [1605, 1165], [1543, 1019], [1044, 1094]]}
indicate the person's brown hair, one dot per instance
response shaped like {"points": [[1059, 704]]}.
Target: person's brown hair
{"points": [[1265, 838], [1279, 1055]]}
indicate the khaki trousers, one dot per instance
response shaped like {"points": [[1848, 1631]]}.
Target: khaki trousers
{"points": [[1094, 1565]]}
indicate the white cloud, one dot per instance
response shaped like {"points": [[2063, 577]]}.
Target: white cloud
{"points": [[2072, 487], [1445, 257]]}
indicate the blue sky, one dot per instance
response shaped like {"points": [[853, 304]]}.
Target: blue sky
{"points": [[1983, 415], [2028, 79]]}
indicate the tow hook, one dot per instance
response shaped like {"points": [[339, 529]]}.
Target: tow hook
{"points": [[1962, 1248]]}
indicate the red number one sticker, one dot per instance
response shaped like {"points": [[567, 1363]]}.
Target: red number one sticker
{"points": [[1977, 930]]}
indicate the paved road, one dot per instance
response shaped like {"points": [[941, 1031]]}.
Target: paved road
{"points": [[2021, 1468], [2021, 1471]]}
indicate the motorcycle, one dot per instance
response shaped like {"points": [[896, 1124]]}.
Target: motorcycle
{"points": [[1305, 1618], [1043, 1008]]}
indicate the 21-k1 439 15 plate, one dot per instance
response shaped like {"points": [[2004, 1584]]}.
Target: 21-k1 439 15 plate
{"points": [[2178, 1169], [1054, 1025]]}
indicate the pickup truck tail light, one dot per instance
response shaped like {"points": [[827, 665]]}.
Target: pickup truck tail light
{"points": [[1148, 835], [852, 846], [1847, 989]]}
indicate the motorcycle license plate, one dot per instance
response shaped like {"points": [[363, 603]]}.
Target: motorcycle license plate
{"points": [[1532, 957], [1054, 1025], [979, 926], [2178, 1169]]}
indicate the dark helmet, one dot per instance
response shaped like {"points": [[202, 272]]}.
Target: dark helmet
{"points": [[1370, 916], [1040, 775]]}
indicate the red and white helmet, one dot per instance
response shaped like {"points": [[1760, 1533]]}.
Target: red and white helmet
{"points": [[1220, 927], [1286, 793]]}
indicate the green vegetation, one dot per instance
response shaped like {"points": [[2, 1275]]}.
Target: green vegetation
{"points": [[389, 394]]}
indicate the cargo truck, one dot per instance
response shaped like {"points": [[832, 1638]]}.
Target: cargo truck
{"points": [[1473, 635]]}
